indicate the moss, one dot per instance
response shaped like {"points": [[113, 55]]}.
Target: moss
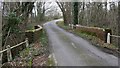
{"points": [[89, 33], [30, 26], [50, 62], [30, 63]]}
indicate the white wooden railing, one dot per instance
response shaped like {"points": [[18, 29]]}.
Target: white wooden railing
{"points": [[8, 50], [109, 36]]}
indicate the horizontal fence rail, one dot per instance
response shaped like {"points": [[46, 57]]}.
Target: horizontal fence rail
{"points": [[115, 36], [8, 50], [26, 41]]}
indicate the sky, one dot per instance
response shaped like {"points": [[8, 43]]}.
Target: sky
{"points": [[53, 8]]}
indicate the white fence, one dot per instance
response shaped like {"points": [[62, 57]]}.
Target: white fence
{"points": [[109, 36], [8, 50]]}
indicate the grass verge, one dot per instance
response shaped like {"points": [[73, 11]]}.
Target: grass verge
{"points": [[50, 61]]}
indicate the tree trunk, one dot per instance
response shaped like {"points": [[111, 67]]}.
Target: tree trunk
{"points": [[118, 23], [65, 19], [75, 13]]}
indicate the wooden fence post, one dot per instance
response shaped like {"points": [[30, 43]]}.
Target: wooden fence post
{"points": [[9, 54], [108, 38], [27, 43]]}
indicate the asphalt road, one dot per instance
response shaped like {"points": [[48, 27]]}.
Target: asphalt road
{"points": [[70, 50]]}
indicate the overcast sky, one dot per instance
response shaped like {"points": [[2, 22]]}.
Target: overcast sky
{"points": [[53, 8]]}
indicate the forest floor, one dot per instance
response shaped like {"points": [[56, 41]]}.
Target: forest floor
{"points": [[108, 48]]}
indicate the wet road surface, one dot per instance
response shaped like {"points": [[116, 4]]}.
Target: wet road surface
{"points": [[70, 50]]}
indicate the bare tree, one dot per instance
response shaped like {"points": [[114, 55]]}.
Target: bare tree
{"points": [[66, 8], [42, 10]]}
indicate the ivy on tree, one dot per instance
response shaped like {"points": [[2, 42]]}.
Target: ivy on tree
{"points": [[12, 22]]}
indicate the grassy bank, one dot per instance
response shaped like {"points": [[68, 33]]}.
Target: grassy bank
{"points": [[109, 48]]}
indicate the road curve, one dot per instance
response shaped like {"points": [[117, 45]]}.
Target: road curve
{"points": [[70, 50]]}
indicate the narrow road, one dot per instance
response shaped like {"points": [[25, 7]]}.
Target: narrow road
{"points": [[70, 50]]}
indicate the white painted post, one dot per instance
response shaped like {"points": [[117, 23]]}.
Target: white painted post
{"points": [[72, 26], [69, 25], [27, 43], [108, 38], [9, 54]]}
